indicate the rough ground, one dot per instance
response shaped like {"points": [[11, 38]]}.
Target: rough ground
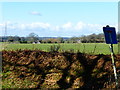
{"points": [[38, 69]]}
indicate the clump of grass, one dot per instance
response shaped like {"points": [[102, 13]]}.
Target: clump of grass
{"points": [[9, 80], [54, 48]]}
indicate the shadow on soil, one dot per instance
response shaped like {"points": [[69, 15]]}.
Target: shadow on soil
{"points": [[76, 70]]}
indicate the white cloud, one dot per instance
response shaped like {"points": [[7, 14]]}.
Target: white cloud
{"points": [[35, 13], [67, 29], [80, 25], [22, 26], [95, 28], [33, 26], [57, 28], [40, 25], [68, 25], [1, 29], [1, 24]]}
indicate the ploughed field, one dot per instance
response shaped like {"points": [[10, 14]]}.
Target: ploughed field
{"points": [[90, 48], [40, 69]]}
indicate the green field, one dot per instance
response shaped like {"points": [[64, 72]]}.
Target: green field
{"points": [[91, 48]]}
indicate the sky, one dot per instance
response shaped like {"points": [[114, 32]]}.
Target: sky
{"points": [[57, 19]]}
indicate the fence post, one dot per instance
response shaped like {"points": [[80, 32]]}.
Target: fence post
{"points": [[113, 64]]}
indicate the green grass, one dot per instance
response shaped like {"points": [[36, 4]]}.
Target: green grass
{"points": [[92, 48], [11, 81]]}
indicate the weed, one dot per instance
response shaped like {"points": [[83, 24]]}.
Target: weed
{"points": [[54, 48]]}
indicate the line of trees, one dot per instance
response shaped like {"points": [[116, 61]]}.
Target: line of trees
{"points": [[93, 38], [32, 37]]}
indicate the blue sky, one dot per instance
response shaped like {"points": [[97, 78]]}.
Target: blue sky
{"points": [[58, 18]]}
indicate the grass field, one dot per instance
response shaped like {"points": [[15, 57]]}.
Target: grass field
{"points": [[92, 48]]}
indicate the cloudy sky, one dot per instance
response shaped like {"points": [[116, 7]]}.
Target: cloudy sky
{"points": [[65, 19]]}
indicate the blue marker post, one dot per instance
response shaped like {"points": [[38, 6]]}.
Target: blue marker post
{"points": [[110, 38]]}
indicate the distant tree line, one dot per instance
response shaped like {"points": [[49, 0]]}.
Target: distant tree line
{"points": [[34, 38], [93, 38]]}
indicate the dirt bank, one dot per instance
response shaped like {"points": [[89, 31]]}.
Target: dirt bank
{"points": [[59, 70]]}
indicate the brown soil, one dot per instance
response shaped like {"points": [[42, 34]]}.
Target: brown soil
{"points": [[61, 70]]}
